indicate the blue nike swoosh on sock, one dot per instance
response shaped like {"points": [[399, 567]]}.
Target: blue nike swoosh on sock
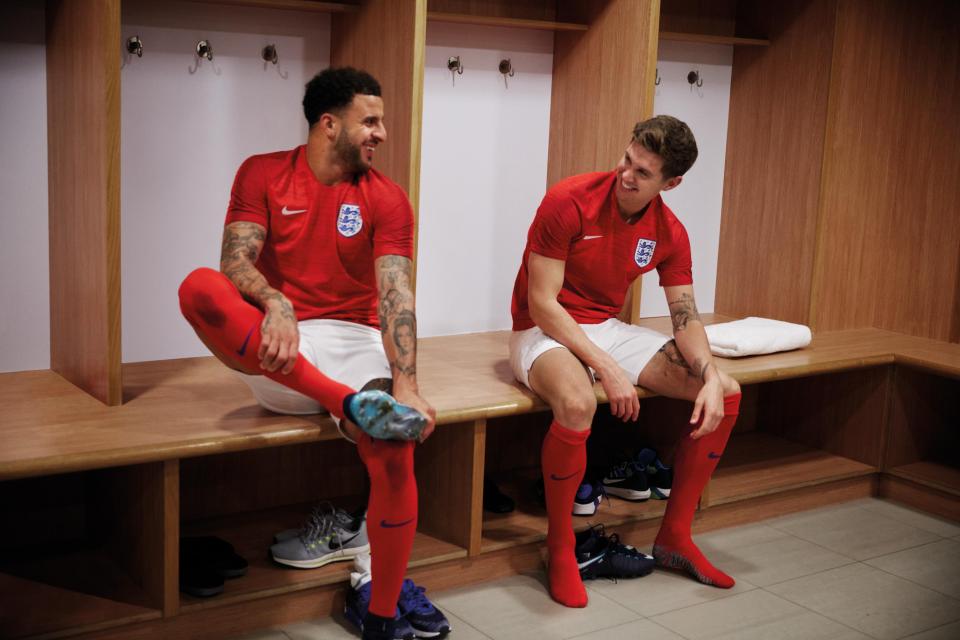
{"points": [[391, 525], [243, 348], [555, 477], [713, 455]]}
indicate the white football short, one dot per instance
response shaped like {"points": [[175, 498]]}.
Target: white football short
{"points": [[631, 346], [348, 352]]}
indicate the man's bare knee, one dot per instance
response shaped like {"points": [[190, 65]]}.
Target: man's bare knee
{"points": [[575, 411]]}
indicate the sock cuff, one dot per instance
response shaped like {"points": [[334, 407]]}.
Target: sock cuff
{"points": [[568, 436], [731, 404]]}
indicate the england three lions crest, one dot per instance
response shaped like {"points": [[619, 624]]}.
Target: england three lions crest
{"points": [[349, 221], [644, 252]]}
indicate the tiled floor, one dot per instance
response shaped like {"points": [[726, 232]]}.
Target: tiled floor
{"points": [[864, 569]]}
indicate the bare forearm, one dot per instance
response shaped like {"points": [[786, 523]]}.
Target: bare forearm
{"points": [[690, 337], [242, 243], [398, 320], [557, 323]]}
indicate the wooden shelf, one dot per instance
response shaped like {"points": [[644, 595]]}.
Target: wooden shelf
{"points": [[757, 464], [930, 474], [528, 522], [296, 5], [72, 592], [705, 38], [251, 534], [496, 21]]}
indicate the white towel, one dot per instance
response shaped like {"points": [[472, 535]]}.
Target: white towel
{"points": [[753, 336]]}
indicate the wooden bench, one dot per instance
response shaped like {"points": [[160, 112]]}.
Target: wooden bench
{"points": [[857, 413]]}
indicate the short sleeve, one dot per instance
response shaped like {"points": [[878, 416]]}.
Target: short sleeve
{"points": [[393, 227], [677, 269], [248, 197], [555, 226]]}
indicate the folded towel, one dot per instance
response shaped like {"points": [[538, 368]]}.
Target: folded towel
{"points": [[753, 336]]}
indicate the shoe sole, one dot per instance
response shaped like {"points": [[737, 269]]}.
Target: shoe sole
{"points": [[584, 509], [660, 494], [315, 563], [628, 494], [430, 634]]}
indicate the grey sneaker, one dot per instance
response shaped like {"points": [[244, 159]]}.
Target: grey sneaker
{"points": [[329, 536], [379, 415], [343, 517]]}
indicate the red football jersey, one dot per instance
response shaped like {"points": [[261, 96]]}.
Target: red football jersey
{"points": [[322, 240], [578, 222]]}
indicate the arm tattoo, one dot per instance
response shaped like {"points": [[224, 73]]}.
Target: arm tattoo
{"points": [[398, 321], [242, 242], [675, 358], [682, 311]]}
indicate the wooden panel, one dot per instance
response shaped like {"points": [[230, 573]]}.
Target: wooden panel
{"points": [[524, 9], [213, 486], [716, 17], [758, 464], [450, 483], [921, 495], [598, 92], [778, 107], [397, 62], [924, 420], [295, 5], [843, 414], [888, 239], [711, 39], [83, 130], [517, 23]]}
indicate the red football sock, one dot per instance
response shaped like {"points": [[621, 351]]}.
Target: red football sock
{"points": [[692, 467], [217, 311], [391, 517], [563, 459]]}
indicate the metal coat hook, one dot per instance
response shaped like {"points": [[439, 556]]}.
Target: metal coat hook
{"points": [[506, 68], [135, 45], [454, 65], [694, 78], [657, 81], [204, 50], [269, 54]]}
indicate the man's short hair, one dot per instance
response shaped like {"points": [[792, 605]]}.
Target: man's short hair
{"points": [[331, 90], [670, 139]]}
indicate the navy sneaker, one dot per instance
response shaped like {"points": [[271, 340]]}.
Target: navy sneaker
{"points": [[627, 480], [426, 620], [588, 498], [601, 556], [379, 415], [356, 608], [659, 476]]}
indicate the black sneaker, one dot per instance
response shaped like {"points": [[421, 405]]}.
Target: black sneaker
{"points": [[659, 475], [627, 480], [494, 500], [600, 556], [588, 498]]}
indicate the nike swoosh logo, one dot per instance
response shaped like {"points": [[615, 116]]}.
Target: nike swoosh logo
{"points": [[391, 525], [590, 237], [613, 480], [581, 565], [342, 541], [555, 477], [290, 212], [243, 348], [713, 455]]}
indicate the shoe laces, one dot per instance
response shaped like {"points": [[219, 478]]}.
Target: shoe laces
{"points": [[320, 523], [414, 597]]}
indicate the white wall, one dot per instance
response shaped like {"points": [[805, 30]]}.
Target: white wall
{"points": [[483, 172], [698, 199], [24, 260], [185, 130]]}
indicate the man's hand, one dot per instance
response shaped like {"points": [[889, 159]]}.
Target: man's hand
{"points": [[709, 402], [280, 336], [621, 393], [413, 399]]}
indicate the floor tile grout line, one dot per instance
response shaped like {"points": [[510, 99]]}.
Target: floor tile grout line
{"points": [[799, 537], [669, 629], [815, 573], [910, 548], [939, 626], [911, 581], [616, 626], [824, 615]]}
